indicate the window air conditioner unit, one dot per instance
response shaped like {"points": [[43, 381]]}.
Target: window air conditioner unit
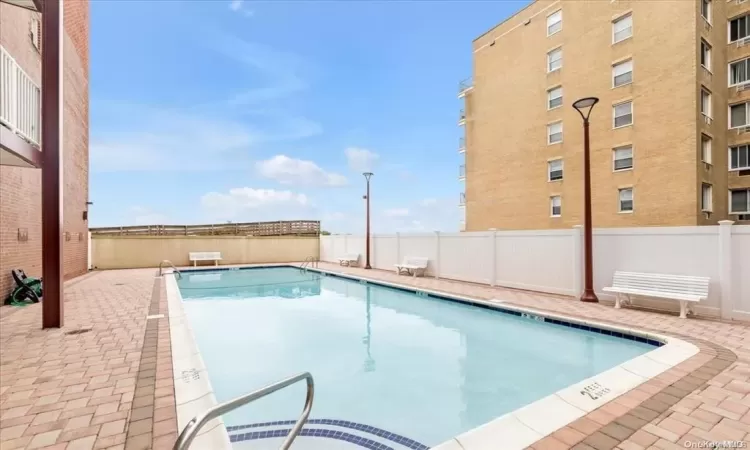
{"points": [[744, 41], [744, 129], [743, 87]]}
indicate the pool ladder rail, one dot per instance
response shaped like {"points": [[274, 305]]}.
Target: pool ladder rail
{"points": [[169, 263], [191, 429], [310, 261]]}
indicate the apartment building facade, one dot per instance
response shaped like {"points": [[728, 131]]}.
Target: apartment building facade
{"points": [[20, 125], [670, 136]]}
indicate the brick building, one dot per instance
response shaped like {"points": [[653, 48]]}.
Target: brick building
{"points": [[669, 137], [20, 104]]}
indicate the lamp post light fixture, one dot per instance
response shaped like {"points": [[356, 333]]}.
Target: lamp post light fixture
{"points": [[584, 107], [367, 229]]}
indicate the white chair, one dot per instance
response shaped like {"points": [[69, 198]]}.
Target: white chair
{"points": [[682, 288], [351, 259], [205, 256], [413, 265]]}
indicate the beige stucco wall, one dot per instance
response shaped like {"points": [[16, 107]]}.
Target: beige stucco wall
{"points": [[124, 252]]}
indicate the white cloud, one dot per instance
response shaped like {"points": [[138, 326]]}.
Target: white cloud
{"points": [[239, 6], [396, 212], [288, 170], [428, 202], [361, 159], [144, 216], [249, 204]]}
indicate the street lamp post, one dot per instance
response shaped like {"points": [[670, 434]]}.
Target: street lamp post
{"points": [[584, 107], [367, 229]]}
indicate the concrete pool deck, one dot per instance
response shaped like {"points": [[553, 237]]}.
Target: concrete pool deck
{"points": [[113, 386]]}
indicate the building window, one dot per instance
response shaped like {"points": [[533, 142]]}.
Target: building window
{"points": [[555, 204], [738, 72], [554, 22], [738, 115], [623, 114], [623, 158], [554, 60], [706, 55], [622, 28], [707, 197], [706, 10], [555, 170], [622, 73], [626, 199], [739, 157], [739, 28], [706, 144], [554, 97], [554, 133], [739, 201], [705, 103]]}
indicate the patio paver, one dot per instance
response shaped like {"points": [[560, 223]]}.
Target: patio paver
{"points": [[112, 386]]}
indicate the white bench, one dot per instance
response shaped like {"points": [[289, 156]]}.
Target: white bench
{"points": [[205, 256], [412, 265], [349, 260], [685, 289]]}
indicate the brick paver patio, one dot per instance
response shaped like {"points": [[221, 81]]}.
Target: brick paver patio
{"points": [[102, 381], [112, 387]]}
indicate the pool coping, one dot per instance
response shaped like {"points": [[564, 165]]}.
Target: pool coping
{"points": [[519, 428]]}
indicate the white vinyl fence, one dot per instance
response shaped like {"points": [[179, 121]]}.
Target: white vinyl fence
{"points": [[552, 260]]}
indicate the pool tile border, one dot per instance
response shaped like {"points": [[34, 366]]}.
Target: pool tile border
{"points": [[379, 432]]}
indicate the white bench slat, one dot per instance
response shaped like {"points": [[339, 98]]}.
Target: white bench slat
{"points": [[415, 265], [205, 256], [684, 288]]}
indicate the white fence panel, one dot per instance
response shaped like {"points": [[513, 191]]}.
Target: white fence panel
{"points": [[424, 245], [326, 248], [465, 256], [741, 271], [383, 251], [535, 260], [668, 250]]}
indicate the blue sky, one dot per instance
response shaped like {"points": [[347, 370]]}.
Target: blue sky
{"points": [[215, 111]]}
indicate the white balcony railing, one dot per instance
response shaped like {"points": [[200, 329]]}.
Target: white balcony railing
{"points": [[461, 145], [465, 86], [462, 199], [461, 117], [20, 100], [462, 171]]}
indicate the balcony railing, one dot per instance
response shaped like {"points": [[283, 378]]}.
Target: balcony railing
{"points": [[462, 171], [462, 199], [465, 86], [20, 100], [461, 145], [461, 117]]}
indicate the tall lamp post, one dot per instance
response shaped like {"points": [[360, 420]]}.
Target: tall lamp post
{"points": [[584, 107], [367, 229]]}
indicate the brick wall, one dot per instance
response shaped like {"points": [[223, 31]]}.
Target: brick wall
{"points": [[20, 189]]}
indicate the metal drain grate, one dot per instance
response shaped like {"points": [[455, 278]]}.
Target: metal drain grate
{"points": [[78, 331]]}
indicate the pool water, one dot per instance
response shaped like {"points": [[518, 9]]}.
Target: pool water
{"points": [[423, 368]]}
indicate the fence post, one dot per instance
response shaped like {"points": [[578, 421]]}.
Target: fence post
{"points": [[493, 265], [725, 268], [437, 255], [577, 260], [398, 248]]}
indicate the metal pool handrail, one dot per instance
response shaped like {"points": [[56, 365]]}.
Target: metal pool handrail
{"points": [[174, 269], [191, 430], [309, 260]]}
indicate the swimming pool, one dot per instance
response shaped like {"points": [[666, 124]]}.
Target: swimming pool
{"points": [[407, 369]]}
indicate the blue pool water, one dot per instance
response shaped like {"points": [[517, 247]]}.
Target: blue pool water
{"points": [[421, 367]]}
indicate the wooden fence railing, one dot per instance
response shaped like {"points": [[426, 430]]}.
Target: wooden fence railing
{"points": [[277, 228]]}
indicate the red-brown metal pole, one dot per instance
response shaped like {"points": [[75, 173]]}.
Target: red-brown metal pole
{"points": [[52, 125], [588, 294], [367, 232]]}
